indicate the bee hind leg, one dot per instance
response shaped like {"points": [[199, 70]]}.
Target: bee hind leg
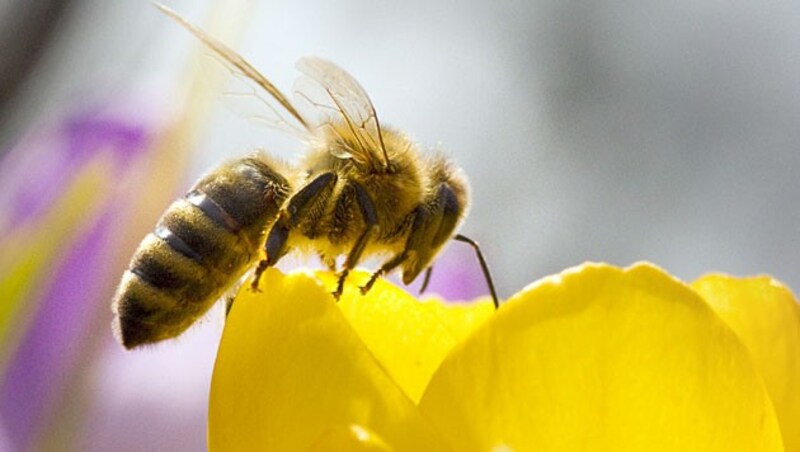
{"points": [[275, 248], [289, 217], [368, 213]]}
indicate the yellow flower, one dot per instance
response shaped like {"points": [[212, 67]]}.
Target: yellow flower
{"points": [[595, 358]]}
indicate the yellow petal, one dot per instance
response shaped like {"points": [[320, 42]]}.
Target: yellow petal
{"points": [[408, 338], [599, 358], [766, 316], [461, 318], [352, 438], [290, 367]]}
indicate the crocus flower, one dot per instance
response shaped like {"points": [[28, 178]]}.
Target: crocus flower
{"points": [[76, 197], [594, 358], [62, 234]]}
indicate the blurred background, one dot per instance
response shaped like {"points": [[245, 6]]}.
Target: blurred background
{"points": [[604, 131]]}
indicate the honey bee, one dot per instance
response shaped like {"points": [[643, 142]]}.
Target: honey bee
{"points": [[360, 190]]}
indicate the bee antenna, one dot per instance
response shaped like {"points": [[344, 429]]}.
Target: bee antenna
{"points": [[486, 275]]}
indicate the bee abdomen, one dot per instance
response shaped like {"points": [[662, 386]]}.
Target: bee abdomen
{"points": [[168, 269], [191, 232], [161, 294], [200, 247]]}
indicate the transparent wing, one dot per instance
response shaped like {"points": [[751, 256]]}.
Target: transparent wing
{"points": [[345, 107], [247, 99], [248, 83]]}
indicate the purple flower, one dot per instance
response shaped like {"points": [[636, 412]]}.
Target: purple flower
{"points": [[62, 216]]}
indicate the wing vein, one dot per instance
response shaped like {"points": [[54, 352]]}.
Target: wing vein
{"points": [[236, 61]]}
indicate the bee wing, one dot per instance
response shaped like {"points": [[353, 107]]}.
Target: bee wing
{"points": [[245, 72], [346, 101], [248, 100]]}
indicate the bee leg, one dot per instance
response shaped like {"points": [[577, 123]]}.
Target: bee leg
{"points": [[289, 218], [329, 262], [390, 265], [426, 280], [230, 297], [368, 213], [275, 248], [420, 229], [228, 304]]}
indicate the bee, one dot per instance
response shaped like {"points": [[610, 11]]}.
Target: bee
{"points": [[360, 190]]}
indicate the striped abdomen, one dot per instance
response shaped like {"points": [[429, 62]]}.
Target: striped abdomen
{"points": [[201, 246]]}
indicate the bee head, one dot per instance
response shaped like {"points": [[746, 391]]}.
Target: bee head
{"points": [[430, 230]]}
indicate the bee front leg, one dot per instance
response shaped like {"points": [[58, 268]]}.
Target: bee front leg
{"points": [[390, 265], [426, 280], [289, 217], [368, 213]]}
